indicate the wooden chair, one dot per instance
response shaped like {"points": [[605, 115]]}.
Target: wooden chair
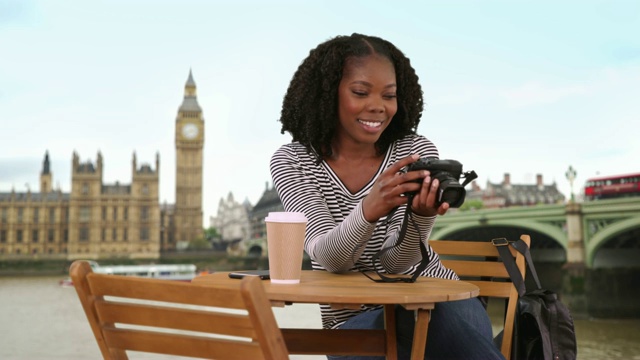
{"points": [[177, 318], [478, 262]]}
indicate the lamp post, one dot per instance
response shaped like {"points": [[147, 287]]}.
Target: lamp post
{"points": [[571, 175]]}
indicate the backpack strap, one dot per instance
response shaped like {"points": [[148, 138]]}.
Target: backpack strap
{"points": [[523, 249], [510, 264]]}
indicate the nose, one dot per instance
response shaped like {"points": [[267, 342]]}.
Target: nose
{"points": [[376, 105]]}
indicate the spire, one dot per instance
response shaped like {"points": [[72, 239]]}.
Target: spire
{"points": [[190, 86], [45, 164], [134, 163], [190, 82], [45, 176], [99, 162], [190, 102]]}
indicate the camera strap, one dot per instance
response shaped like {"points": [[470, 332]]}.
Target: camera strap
{"points": [[469, 176], [403, 230], [424, 262]]}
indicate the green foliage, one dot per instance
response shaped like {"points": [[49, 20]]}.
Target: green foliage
{"points": [[211, 233], [199, 244], [215, 239], [474, 204]]}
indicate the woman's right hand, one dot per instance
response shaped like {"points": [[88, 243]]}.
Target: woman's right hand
{"points": [[387, 192]]}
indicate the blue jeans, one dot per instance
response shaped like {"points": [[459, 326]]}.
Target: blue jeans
{"points": [[457, 330]]}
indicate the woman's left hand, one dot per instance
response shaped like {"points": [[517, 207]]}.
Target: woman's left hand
{"points": [[424, 202]]}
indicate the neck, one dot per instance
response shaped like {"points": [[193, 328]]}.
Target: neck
{"points": [[353, 151]]}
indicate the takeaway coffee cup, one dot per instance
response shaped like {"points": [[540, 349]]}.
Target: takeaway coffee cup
{"points": [[285, 246]]}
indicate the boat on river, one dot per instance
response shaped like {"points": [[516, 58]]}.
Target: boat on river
{"points": [[179, 272]]}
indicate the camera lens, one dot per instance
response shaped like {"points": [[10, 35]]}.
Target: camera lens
{"points": [[449, 190], [453, 196]]}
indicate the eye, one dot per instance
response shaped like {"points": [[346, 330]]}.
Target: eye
{"points": [[389, 96], [359, 92]]}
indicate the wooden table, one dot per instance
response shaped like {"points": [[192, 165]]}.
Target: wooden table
{"points": [[349, 291]]}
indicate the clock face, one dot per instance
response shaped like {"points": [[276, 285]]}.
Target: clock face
{"points": [[190, 131]]}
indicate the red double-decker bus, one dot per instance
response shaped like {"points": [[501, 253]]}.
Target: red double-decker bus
{"points": [[607, 187]]}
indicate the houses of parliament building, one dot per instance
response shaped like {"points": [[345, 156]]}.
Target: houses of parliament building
{"points": [[97, 220]]}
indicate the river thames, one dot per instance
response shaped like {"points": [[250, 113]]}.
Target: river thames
{"points": [[39, 320]]}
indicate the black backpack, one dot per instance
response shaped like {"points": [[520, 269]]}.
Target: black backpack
{"points": [[543, 327]]}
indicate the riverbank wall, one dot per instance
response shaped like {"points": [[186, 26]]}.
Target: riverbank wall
{"points": [[598, 293], [204, 260]]}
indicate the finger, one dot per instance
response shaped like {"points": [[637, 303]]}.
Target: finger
{"points": [[423, 203], [424, 192], [403, 188], [443, 208], [398, 165], [433, 193], [411, 176]]}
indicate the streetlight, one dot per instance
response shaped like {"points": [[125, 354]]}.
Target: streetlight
{"points": [[571, 175]]}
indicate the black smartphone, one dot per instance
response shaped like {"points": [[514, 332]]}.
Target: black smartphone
{"points": [[262, 274]]}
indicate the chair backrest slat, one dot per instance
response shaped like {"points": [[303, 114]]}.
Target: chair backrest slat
{"points": [[469, 248], [160, 290], [167, 317], [181, 345], [176, 318], [477, 268], [479, 262]]}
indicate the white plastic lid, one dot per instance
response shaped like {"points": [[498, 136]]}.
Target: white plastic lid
{"points": [[286, 217]]}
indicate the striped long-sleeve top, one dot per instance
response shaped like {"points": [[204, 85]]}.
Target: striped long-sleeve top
{"points": [[338, 237]]}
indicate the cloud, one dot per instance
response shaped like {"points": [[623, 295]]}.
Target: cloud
{"points": [[536, 93], [16, 172], [12, 11], [461, 95]]}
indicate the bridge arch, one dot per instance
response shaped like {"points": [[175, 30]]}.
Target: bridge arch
{"points": [[608, 233], [552, 232], [255, 250]]}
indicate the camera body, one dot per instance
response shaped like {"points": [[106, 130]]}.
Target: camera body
{"points": [[448, 173]]}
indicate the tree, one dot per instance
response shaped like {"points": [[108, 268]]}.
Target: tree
{"points": [[199, 244], [474, 204], [214, 238], [211, 234]]}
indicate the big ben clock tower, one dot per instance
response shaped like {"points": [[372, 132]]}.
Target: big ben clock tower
{"points": [[189, 144]]}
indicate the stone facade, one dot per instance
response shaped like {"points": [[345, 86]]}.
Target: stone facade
{"points": [[189, 140], [506, 194], [241, 226], [270, 201], [97, 220], [232, 220]]}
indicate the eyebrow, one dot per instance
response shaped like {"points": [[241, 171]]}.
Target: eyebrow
{"points": [[361, 82]]}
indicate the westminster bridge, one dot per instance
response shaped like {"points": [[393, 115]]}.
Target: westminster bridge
{"points": [[596, 234], [588, 252]]}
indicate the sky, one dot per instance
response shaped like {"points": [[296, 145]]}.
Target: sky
{"points": [[518, 87]]}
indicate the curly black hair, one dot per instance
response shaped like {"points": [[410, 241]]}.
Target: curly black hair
{"points": [[310, 106]]}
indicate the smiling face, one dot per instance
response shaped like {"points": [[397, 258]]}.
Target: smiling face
{"points": [[366, 100]]}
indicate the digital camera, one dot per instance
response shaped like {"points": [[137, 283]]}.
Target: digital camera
{"points": [[448, 173]]}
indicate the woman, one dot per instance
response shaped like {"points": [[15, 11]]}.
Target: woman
{"points": [[352, 108]]}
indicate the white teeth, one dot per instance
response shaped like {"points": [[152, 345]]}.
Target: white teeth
{"points": [[370, 123]]}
